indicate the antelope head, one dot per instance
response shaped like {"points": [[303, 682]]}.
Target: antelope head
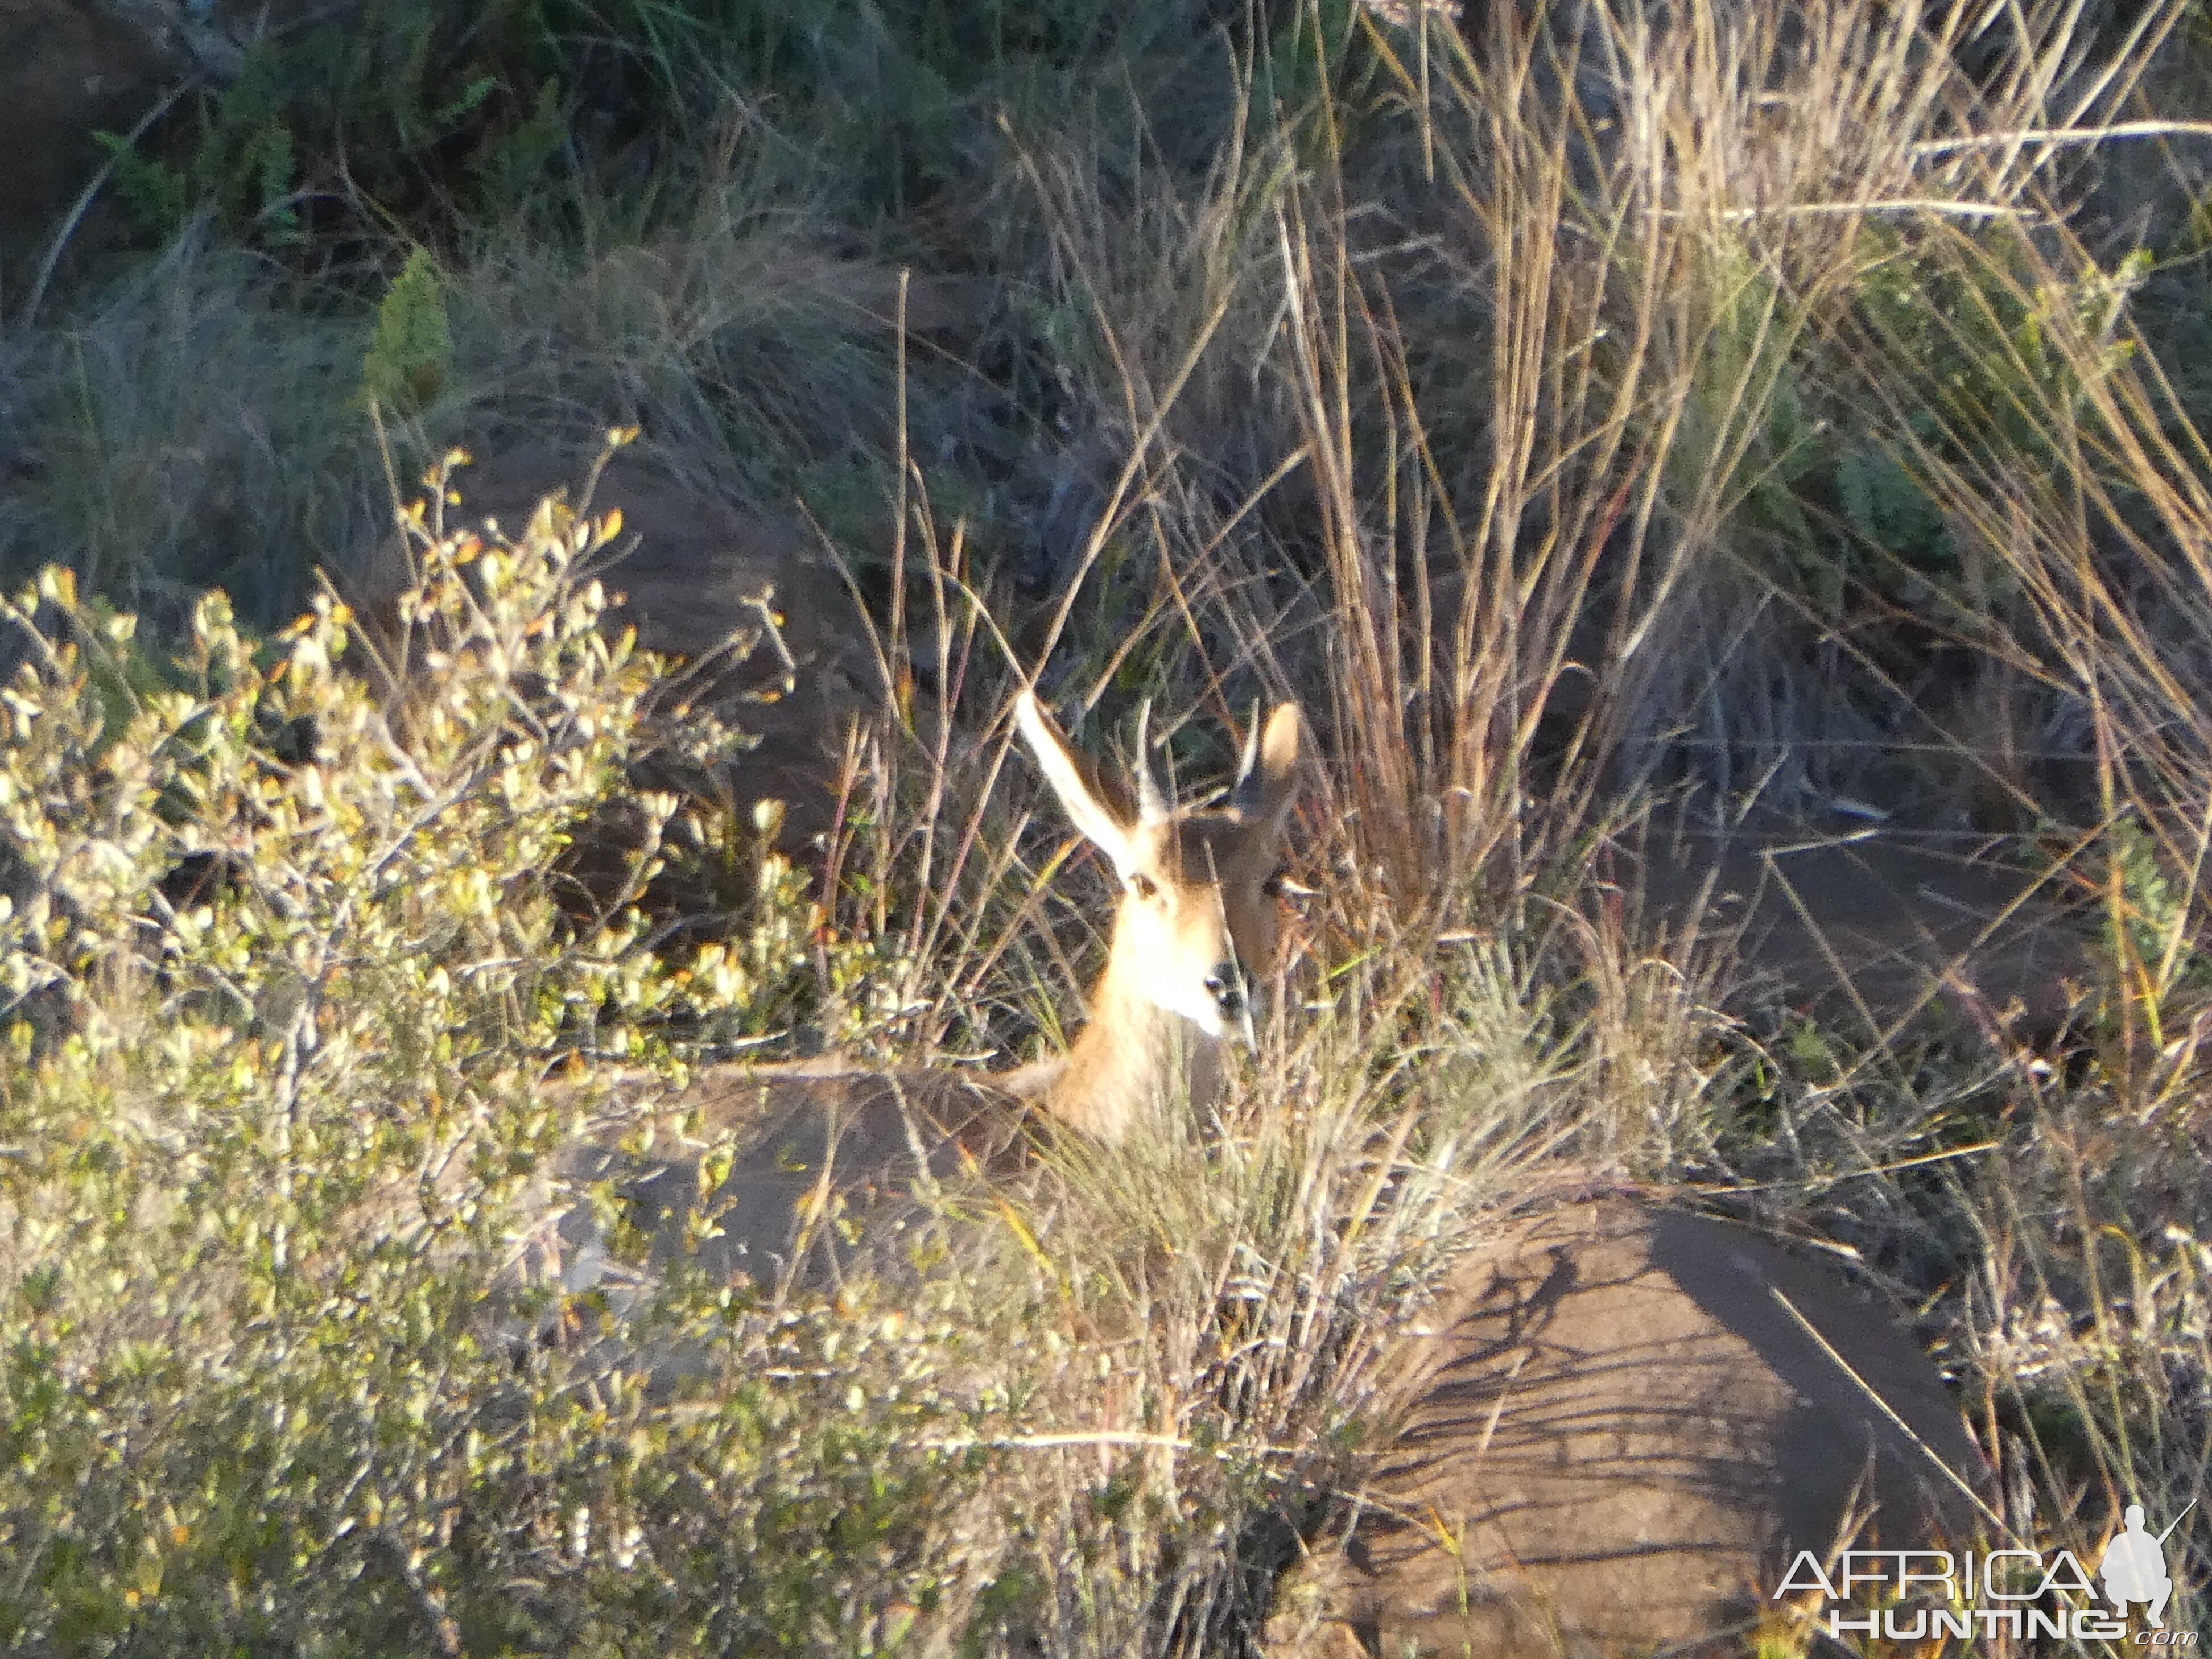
{"points": [[1198, 916]]}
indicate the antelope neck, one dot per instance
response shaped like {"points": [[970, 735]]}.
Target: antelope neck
{"points": [[1134, 1058]]}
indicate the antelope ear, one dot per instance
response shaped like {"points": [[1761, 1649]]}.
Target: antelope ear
{"points": [[1091, 816], [1267, 783]]}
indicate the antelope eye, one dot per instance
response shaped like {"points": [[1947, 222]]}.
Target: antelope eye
{"points": [[1272, 887], [1143, 885]]}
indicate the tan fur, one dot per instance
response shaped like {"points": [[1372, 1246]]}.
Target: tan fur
{"points": [[810, 1145]]}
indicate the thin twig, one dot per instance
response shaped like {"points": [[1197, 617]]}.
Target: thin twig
{"points": [[84, 203]]}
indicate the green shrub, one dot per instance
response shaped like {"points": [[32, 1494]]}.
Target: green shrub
{"points": [[411, 351], [404, 108], [273, 1141]]}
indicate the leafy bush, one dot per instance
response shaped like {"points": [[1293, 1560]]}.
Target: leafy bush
{"points": [[405, 108], [436, 117], [273, 1141], [411, 351]]}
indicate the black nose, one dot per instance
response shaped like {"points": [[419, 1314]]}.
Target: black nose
{"points": [[1226, 986]]}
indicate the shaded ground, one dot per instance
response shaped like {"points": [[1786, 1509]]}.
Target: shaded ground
{"points": [[1884, 922]]}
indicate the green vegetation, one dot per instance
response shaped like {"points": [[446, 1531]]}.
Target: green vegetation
{"points": [[1597, 425]]}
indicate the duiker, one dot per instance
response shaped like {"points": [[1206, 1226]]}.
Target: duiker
{"points": [[820, 1144]]}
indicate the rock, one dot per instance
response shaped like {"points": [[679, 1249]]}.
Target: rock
{"points": [[1614, 1435]]}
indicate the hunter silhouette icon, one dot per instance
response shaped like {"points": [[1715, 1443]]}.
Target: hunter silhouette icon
{"points": [[2134, 1569]]}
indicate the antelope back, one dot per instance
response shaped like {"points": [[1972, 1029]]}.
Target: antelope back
{"points": [[790, 1175]]}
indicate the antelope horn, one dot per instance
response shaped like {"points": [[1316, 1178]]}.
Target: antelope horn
{"points": [[1244, 793], [1151, 805]]}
